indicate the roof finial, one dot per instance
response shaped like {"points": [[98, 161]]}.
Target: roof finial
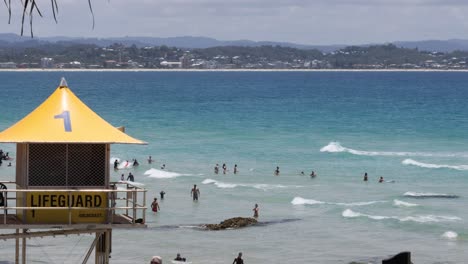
{"points": [[63, 83]]}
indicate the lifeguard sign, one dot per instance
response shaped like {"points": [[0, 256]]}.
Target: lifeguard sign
{"points": [[63, 152]]}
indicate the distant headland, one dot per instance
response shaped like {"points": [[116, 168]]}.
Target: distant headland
{"points": [[199, 53]]}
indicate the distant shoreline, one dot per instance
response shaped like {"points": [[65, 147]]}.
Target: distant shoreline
{"points": [[233, 70]]}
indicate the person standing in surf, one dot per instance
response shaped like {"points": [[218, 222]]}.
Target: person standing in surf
{"points": [[195, 192], [224, 168], [235, 169], [277, 171], [239, 259], [365, 177], [155, 205], [255, 210], [116, 164], [216, 169]]}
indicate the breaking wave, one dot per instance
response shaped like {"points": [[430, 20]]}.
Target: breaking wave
{"points": [[264, 187], [430, 195], [348, 213], [302, 201], [162, 174], [433, 166], [334, 147], [403, 204], [450, 235]]}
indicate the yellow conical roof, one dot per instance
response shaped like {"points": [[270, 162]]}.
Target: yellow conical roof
{"points": [[64, 118]]}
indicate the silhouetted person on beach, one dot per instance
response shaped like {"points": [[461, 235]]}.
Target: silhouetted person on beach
{"points": [[239, 259], [195, 192]]}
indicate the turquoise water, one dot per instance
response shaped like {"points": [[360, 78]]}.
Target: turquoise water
{"points": [[409, 127]]}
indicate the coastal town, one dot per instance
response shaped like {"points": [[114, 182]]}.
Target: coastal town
{"points": [[119, 56]]}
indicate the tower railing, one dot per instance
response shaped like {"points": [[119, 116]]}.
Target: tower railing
{"points": [[125, 201]]}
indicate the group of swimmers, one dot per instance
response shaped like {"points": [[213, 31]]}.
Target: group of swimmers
{"points": [[3, 155], [225, 170], [366, 178], [130, 177], [116, 163], [179, 258], [151, 160], [312, 174], [195, 193]]}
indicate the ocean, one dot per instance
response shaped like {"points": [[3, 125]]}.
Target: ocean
{"points": [[408, 127]]}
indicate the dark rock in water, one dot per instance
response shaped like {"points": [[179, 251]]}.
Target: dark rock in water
{"points": [[236, 222], [400, 258]]}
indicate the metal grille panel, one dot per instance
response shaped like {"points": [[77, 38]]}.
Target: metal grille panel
{"points": [[47, 165], [86, 164], [67, 165]]}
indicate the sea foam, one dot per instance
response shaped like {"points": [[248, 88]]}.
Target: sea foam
{"points": [[433, 166], [335, 147], [302, 201], [261, 186], [348, 213], [450, 235], [162, 174], [429, 195], [403, 204]]}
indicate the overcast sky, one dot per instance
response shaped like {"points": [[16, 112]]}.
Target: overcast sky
{"points": [[298, 21]]}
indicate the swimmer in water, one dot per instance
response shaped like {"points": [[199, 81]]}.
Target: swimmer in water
{"points": [[195, 192], [381, 179], [365, 177], [277, 171], [255, 210], [155, 205]]}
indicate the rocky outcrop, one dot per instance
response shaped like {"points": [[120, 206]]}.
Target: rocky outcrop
{"points": [[232, 223]]}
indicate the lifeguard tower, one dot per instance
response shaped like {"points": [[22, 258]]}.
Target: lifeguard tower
{"points": [[63, 184]]}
